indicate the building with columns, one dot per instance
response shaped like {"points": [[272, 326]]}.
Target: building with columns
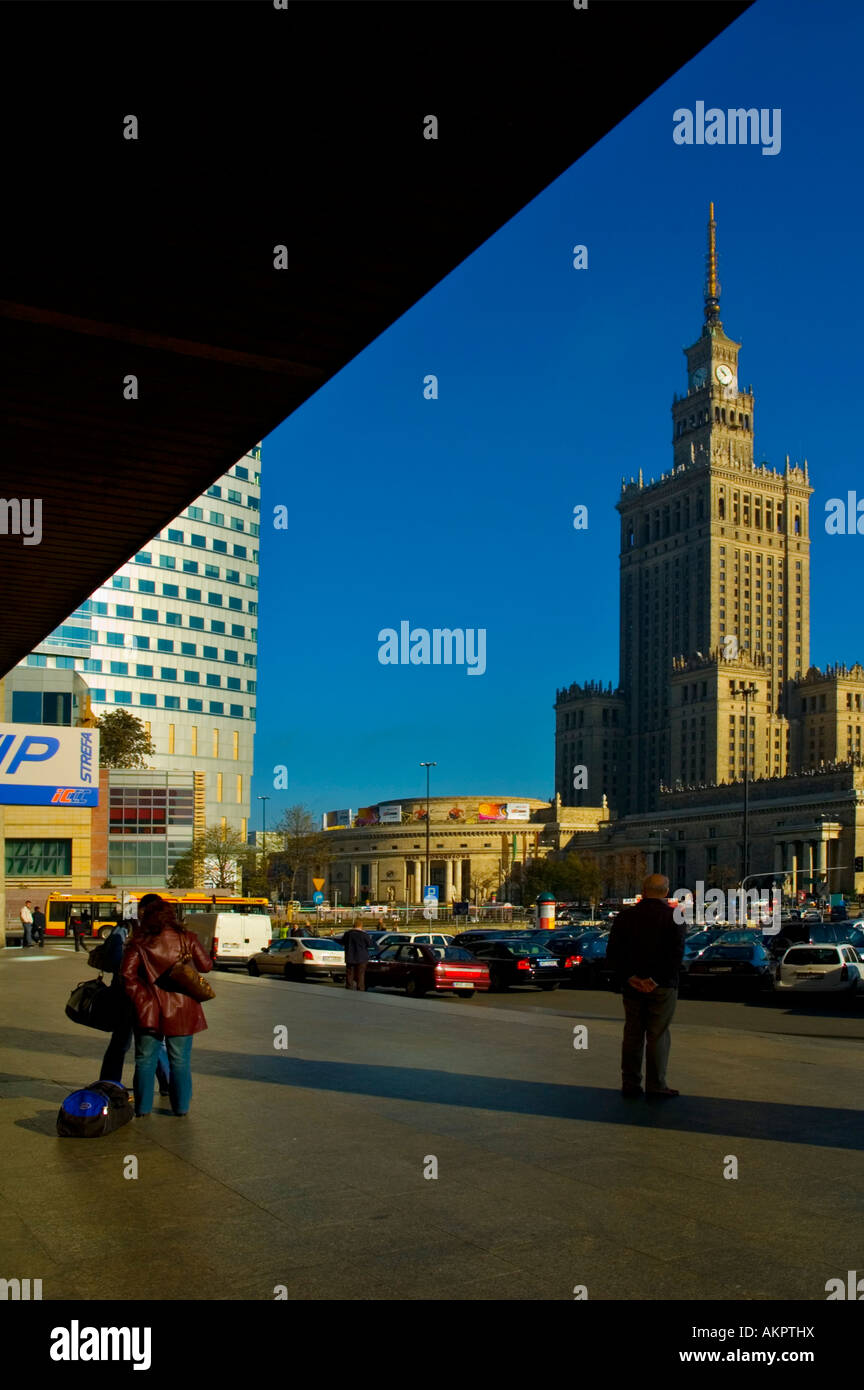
{"points": [[806, 832], [473, 845]]}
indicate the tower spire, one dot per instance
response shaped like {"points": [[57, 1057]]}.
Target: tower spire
{"points": [[712, 284]]}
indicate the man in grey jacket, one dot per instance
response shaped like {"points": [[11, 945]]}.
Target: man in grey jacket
{"points": [[645, 950]]}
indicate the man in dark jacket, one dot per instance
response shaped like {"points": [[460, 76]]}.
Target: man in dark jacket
{"points": [[645, 950], [39, 927], [356, 944]]}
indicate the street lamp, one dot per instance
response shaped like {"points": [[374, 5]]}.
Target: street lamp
{"points": [[427, 767], [660, 832], [748, 692], [264, 800]]}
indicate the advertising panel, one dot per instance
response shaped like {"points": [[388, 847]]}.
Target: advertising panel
{"points": [[48, 766], [390, 815]]}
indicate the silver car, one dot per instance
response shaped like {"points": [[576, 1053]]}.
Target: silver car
{"points": [[300, 958], [820, 969]]}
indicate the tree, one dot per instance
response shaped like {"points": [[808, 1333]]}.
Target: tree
{"points": [[722, 876], [123, 740], [216, 854], [304, 848]]}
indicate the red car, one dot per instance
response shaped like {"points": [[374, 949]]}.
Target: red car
{"points": [[428, 970]]}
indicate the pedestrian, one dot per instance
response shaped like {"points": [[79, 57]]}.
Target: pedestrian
{"points": [[356, 944], [86, 929], [297, 931], [121, 1038], [26, 915], [79, 929], [645, 950], [39, 926], [162, 1013]]}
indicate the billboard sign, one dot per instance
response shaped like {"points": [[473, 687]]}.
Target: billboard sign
{"points": [[518, 810], [46, 766], [367, 815], [336, 820], [390, 815]]}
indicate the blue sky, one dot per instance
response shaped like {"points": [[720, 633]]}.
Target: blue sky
{"points": [[552, 384]]}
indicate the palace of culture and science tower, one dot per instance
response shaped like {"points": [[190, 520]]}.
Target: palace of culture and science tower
{"points": [[714, 601]]}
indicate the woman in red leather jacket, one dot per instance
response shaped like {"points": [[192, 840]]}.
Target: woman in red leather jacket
{"points": [[162, 1013]]}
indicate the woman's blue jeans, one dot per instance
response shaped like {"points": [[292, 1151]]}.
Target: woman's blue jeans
{"points": [[147, 1050], [115, 1056]]}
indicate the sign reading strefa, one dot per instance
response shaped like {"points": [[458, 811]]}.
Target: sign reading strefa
{"points": [[44, 766]]}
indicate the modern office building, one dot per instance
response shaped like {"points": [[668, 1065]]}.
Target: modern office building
{"points": [[173, 637]]}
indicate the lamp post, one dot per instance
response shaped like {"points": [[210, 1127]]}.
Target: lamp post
{"points": [[660, 832], [427, 767], [748, 692], [264, 800]]}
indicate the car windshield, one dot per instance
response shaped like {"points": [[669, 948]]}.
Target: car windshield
{"points": [[738, 938], [812, 955], [529, 948], [317, 943], [700, 939], [453, 953]]}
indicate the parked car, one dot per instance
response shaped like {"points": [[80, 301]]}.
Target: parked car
{"points": [[521, 961], [421, 969], [821, 970], [835, 934], [697, 942], [593, 969], [496, 933], [425, 938], [300, 958], [746, 965], [811, 914], [568, 945]]}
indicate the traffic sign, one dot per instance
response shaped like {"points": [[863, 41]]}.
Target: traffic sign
{"points": [[430, 892], [317, 899], [318, 883]]}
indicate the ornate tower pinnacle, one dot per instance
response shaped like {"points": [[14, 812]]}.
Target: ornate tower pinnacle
{"points": [[712, 284]]}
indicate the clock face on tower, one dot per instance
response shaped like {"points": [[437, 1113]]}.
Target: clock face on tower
{"points": [[700, 376], [724, 374]]}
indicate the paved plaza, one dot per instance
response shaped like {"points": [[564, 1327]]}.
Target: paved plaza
{"points": [[303, 1166]]}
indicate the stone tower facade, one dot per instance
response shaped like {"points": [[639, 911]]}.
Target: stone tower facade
{"points": [[714, 593]]}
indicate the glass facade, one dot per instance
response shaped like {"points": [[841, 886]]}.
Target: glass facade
{"points": [[38, 858]]}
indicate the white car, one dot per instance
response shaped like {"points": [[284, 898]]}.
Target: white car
{"points": [[820, 970], [300, 958], [423, 938]]}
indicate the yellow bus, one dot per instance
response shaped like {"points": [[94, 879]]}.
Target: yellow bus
{"points": [[63, 911]]}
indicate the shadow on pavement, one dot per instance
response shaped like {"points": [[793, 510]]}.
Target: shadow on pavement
{"points": [[777, 1121]]}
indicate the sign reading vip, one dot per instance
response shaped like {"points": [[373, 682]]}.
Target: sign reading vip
{"points": [[38, 768]]}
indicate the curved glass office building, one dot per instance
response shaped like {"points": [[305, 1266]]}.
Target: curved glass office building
{"points": [[173, 637]]}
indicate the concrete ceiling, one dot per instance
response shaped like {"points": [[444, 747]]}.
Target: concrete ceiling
{"points": [[256, 127]]}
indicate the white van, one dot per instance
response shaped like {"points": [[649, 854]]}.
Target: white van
{"points": [[232, 938]]}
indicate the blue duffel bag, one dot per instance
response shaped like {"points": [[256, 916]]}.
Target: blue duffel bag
{"points": [[96, 1110]]}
